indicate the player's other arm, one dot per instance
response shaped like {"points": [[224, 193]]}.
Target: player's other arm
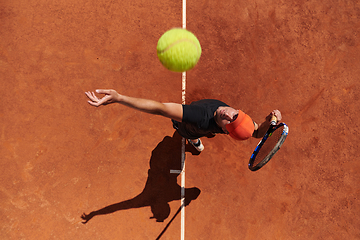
{"points": [[169, 110], [261, 129]]}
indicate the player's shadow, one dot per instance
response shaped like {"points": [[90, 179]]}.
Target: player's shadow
{"points": [[161, 186]]}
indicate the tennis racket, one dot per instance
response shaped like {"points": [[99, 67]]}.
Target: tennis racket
{"points": [[269, 144]]}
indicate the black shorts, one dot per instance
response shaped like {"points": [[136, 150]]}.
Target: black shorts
{"points": [[182, 129]]}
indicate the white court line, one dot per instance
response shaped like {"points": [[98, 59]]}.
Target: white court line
{"points": [[183, 190], [183, 141]]}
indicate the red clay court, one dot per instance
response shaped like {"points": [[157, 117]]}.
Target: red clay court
{"points": [[61, 157]]}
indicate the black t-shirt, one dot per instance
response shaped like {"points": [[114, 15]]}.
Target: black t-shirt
{"points": [[198, 119]]}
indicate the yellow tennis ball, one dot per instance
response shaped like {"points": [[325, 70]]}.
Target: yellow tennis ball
{"points": [[178, 50]]}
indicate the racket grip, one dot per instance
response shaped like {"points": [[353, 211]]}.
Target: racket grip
{"points": [[273, 120]]}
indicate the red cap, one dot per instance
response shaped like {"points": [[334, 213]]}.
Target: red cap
{"points": [[242, 128]]}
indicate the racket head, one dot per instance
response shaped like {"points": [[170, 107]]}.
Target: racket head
{"points": [[268, 146]]}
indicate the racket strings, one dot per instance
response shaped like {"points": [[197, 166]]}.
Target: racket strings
{"points": [[269, 145]]}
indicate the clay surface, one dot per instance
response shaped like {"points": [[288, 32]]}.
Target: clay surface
{"points": [[61, 157]]}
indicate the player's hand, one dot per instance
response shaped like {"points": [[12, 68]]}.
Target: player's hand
{"points": [[111, 96], [277, 114]]}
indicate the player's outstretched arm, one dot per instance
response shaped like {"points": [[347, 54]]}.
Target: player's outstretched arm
{"points": [[261, 129], [169, 110]]}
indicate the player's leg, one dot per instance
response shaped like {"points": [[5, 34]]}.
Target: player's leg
{"points": [[196, 144]]}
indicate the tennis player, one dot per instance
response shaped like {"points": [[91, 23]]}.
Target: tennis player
{"points": [[198, 119]]}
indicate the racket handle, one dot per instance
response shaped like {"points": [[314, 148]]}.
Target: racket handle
{"points": [[273, 120]]}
